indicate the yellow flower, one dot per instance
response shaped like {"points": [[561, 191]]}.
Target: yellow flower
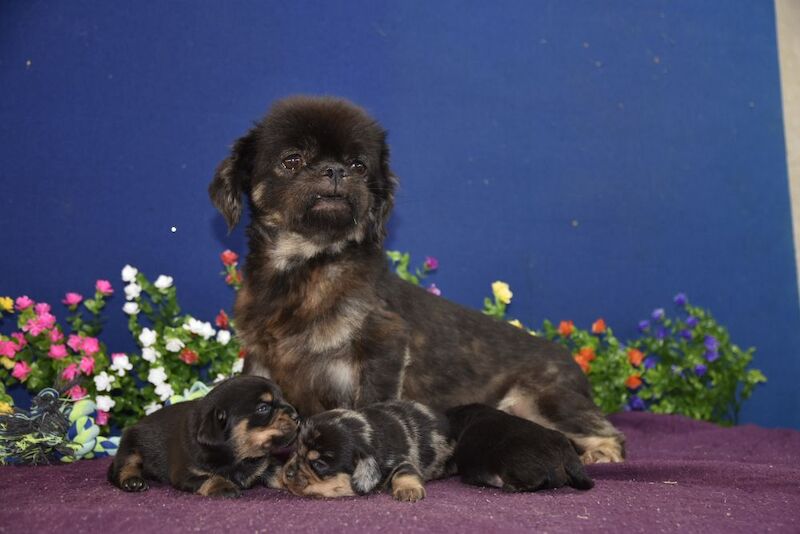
{"points": [[5, 407], [6, 304], [502, 292], [516, 323], [8, 363]]}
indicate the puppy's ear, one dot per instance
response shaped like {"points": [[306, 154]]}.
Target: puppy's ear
{"points": [[383, 194], [232, 179], [367, 474], [211, 431]]}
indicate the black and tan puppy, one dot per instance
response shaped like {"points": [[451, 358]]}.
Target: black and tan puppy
{"points": [[321, 313], [212, 446], [339, 453], [496, 449]]}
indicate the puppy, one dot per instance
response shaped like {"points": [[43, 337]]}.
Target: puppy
{"points": [[321, 313], [213, 446], [344, 452], [497, 449]]}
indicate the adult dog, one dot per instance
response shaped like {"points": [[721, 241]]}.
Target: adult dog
{"points": [[321, 313]]}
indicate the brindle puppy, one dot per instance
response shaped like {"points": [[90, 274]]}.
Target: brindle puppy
{"points": [[399, 444], [321, 313], [212, 446]]}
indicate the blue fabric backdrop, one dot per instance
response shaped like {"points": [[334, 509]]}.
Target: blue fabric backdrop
{"points": [[598, 156]]}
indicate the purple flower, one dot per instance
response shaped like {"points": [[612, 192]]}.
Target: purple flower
{"points": [[636, 404], [711, 343], [661, 333], [681, 300], [431, 264], [644, 325], [658, 314], [686, 334], [700, 369], [711, 355], [435, 290], [650, 362], [692, 321]]}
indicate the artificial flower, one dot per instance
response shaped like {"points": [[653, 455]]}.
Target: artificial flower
{"points": [[163, 282], [238, 365], [87, 365], [152, 407], [105, 403], [103, 381], [635, 357], [21, 371], [6, 408], [129, 273], [582, 362], [223, 337], [222, 319], [164, 391], [120, 363], [681, 300], [57, 352], [189, 357], [150, 354], [502, 292], [6, 362], [147, 337], [101, 418], [661, 332], [565, 328], [692, 321], [23, 303], [90, 345], [72, 299], [77, 392], [74, 341], [658, 314], [431, 264], [20, 337], [157, 376], [174, 344], [433, 288], [235, 278], [42, 308], [6, 304], [712, 355], [636, 404], [104, 287], [131, 308], [650, 362], [200, 328], [8, 349], [633, 382], [644, 325], [516, 323], [132, 291], [70, 372], [599, 326], [700, 369], [587, 353], [56, 335], [229, 257]]}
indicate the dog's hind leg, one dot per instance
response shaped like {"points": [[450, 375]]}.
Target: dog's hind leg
{"points": [[572, 413]]}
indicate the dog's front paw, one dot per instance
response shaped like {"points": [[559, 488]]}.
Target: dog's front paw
{"points": [[407, 488], [216, 486], [134, 484]]}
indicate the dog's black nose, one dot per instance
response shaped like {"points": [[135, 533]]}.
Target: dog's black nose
{"points": [[334, 172]]}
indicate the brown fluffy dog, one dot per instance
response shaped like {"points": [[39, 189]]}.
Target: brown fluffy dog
{"points": [[321, 313]]}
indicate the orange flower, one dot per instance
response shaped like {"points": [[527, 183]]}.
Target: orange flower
{"points": [[587, 353], [635, 357], [599, 326], [633, 381], [565, 328], [580, 360]]}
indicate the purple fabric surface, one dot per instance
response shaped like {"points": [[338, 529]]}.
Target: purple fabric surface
{"points": [[680, 474]]}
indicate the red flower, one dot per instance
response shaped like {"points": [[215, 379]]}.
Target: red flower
{"points": [[565, 328], [242, 353], [587, 353], [580, 360], [599, 326], [188, 356], [229, 257], [633, 381], [222, 319], [635, 357]]}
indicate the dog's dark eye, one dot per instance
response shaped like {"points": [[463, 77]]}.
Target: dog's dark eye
{"points": [[293, 162], [319, 465], [263, 408], [358, 166]]}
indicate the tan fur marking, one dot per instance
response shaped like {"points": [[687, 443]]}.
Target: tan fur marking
{"points": [[131, 468], [267, 397], [312, 455], [336, 486], [598, 449], [214, 486], [255, 442], [407, 487]]}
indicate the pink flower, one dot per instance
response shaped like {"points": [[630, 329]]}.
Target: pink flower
{"points": [[87, 365], [431, 264], [75, 342], [101, 418], [21, 371], [72, 299], [435, 290], [42, 308], [57, 352], [90, 345], [39, 324], [104, 287], [70, 372], [20, 337], [76, 392], [56, 335], [8, 349], [23, 303]]}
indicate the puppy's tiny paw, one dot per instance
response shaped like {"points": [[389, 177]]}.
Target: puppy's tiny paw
{"points": [[134, 484], [409, 494]]}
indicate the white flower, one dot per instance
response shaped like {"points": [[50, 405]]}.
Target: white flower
{"points": [[223, 336], [132, 291], [121, 364], [131, 308], [103, 382], [164, 391], [152, 407], [105, 403], [238, 365], [174, 344], [200, 328], [220, 378], [150, 354], [147, 337], [163, 282], [129, 273], [157, 376]]}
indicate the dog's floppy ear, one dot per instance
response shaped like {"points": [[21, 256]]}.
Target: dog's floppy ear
{"points": [[211, 431], [367, 474], [383, 193], [232, 179]]}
